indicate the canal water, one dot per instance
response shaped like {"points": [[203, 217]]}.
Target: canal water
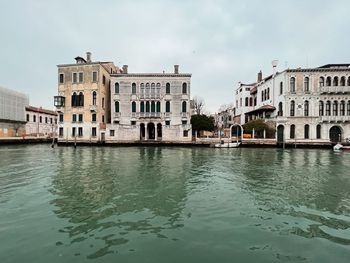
{"points": [[135, 204]]}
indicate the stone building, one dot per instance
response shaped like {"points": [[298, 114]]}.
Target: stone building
{"points": [[308, 106], [83, 101], [12, 112], [40, 122], [150, 107]]}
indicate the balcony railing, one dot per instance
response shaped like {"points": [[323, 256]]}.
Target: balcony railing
{"points": [[150, 96], [335, 89], [184, 114], [117, 115], [150, 114], [335, 118]]}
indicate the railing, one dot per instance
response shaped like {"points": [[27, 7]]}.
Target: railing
{"points": [[150, 96], [335, 118], [184, 114], [167, 114], [335, 89], [93, 108], [117, 115], [150, 114]]}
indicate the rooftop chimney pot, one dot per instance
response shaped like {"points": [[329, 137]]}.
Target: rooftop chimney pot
{"points": [[88, 57], [176, 69], [125, 69]]}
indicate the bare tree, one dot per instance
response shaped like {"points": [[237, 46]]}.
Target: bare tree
{"points": [[197, 104], [226, 107]]}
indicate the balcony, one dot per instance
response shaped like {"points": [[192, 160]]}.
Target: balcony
{"points": [[93, 108], [167, 114], [186, 127], [335, 90], [335, 118], [183, 114], [150, 114], [117, 115], [150, 96]]}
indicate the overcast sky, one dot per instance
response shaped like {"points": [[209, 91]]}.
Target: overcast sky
{"points": [[219, 42]]}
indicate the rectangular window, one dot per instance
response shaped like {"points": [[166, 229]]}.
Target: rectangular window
{"points": [[93, 131], [61, 117], [34, 118], [61, 78], [45, 119], [184, 122], [185, 133], [74, 118], [73, 132], [133, 122], [51, 121], [93, 117], [80, 131], [40, 119], [80, 116], [94, 76], [81, 77], [111, 133], [27, 117], [60, 132], [103, 80], [167, 123], [103, 118], [75, 79]]}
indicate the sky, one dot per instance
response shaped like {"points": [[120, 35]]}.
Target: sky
{"points": [[221, 42]]}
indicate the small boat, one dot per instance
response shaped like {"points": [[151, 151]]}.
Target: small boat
{"points": [[340, 147], [227, 145]]}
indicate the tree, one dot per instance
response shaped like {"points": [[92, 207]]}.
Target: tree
{"points": [[202, 123], [197, 104]]}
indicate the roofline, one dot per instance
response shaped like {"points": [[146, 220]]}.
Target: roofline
{"points": [[83, 64], [151, 75], [40, 110]]}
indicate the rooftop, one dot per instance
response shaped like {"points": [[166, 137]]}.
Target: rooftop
{"points": [[40, 110]]}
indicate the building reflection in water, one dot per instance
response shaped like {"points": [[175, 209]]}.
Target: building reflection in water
{"points": [[110, 193]]}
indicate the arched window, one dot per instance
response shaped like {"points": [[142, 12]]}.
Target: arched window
{"points": [[184, 88], [335, 81], [321, 81], [116, 106], [250, 101], [321, 108], [342, 108], [167, 88], [280, 109], [348, 84], [74, 99], [147, 88], [153, 88], [335, 108], [81, 99], [142, 87], [184, 106], [328, 108], [292, 131], [246, 102], [348, 108], [306, 84], [133, 106], [292, 108], [116, 88], [133, 88], [262, 95], [158, 106], [318, 131], [142, 106], [328, 81], [306, 131], [306, 108], [292, 84], [94, 95], [158, 89], [268, 93], [153, 106], [281, 88], [167, 106], [342, 81], [147, 106]]}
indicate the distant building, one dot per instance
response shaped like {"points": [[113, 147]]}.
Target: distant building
{"points": [[83, 101], [12, 112], [40, 122], [150, 107], [308, 106]]}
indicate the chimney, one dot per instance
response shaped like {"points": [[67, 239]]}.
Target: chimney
{"points": [[88, 57], [176, 69], [125, 69], [259, 76]]}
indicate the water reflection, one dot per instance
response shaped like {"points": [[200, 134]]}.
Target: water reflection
{"points": [[123, 191]]}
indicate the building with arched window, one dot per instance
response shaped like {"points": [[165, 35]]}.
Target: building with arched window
{"points": [[153, 107], [81, 102], [313, 104]]}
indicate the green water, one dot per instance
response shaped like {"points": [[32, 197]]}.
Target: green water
{"points": [[137, 204]]}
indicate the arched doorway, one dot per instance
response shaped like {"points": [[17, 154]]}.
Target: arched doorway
{"points": [[236, 131], [280, 134], [159, 131], [142, 131], [151, 131], [335, 134]]}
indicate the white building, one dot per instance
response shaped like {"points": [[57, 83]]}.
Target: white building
{"points": [[308, 106], [150, 107], [40, 122]]}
